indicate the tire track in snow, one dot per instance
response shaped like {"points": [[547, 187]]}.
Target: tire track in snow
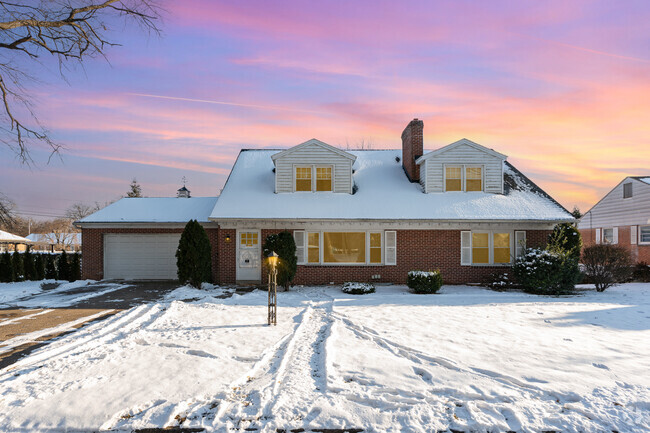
{"points": [[92, 336]]}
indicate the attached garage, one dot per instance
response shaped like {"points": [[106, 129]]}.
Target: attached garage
{"points": [[140, 256]]}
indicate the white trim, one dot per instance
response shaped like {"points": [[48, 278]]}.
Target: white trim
{"points": [[462, 141], [597, 236], [313, 142], [491, 234], [387, 235], [314, 180], [466, 248], [302, 259], [615, 236], [520, 243], [463, 176], [369, 224], [633, 234]]}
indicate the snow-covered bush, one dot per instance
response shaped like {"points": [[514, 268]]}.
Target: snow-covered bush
{"points": [[358, 288], [642, 272], [194, 255], [424, 281], [501, 281], [606, 265], [546, 272]]}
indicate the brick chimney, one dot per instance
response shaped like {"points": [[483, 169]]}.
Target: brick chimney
{"points": [[412, 148]]}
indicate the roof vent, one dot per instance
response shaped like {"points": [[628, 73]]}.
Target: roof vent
{"points": [[183, 192]]}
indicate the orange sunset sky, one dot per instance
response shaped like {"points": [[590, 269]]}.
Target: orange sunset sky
{"points": [[562, 88]]}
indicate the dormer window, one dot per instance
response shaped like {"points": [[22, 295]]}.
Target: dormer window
{"points": [[306, 181], [463, 178]]}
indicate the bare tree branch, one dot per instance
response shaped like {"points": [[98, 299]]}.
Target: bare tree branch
{"points": [[71, 31]]}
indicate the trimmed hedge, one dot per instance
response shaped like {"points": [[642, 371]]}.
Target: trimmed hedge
{"points": [[424, 282]]}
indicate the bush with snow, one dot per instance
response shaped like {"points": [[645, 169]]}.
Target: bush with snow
{"points": [[501, 281], [547, 272], [606, 265], [358, 288], [424, 281]]}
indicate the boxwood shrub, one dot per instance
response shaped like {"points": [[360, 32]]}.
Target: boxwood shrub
{"points": [[424, 281], [358, 288]]}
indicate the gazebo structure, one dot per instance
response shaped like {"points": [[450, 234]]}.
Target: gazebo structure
{"points": [[7, 239]]}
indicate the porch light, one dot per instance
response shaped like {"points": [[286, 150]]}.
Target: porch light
{"points": [[228, 239], [273, 288]]}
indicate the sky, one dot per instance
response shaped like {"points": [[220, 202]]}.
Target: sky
{"points": [[562, 88]]}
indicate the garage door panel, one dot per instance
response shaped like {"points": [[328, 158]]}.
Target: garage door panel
{"points": [[150, 256]]}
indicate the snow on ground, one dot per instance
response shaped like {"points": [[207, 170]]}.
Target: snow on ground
{"points": [[466, 359], [29, 294]]}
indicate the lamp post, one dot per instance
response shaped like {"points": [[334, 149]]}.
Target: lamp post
{"points": [[273, 288]]}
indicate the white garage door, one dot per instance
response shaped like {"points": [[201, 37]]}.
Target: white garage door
{"points": [[140, 257]]}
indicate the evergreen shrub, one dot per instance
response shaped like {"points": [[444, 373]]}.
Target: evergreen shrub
{"points": [[194, 256], [547, 272], [50, 268], [424, 282], [284, 246]]}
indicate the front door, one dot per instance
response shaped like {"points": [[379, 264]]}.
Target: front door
{"points": [[249, 256]]}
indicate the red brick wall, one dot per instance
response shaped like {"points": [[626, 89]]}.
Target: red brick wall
{"points": [[412, 146], [93, 248], [416, 250], [639, 253]]}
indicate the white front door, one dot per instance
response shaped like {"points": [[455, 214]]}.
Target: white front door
{"points": [[249, 256]]}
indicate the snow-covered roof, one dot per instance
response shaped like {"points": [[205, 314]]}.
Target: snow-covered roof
{"points": [[462, 141], [154, 210], [12, 238], [51, 238], [383, 192], [642, 179]]}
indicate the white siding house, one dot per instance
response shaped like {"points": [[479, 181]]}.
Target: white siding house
{"points": [[621, 217]]}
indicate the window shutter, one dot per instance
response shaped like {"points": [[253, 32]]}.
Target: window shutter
{"points": [[520, 243], [299, 238], [615, 231], [465, 248], [597, 236], [391, 247], [633, 235]]}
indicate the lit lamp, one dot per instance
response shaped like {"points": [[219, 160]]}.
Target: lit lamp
{"points": [[273, 260]]}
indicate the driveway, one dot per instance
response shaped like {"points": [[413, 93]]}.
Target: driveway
{"points": [[31, 322]]}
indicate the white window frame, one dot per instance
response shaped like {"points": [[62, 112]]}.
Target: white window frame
{"points": [[314, 176], [513, 251], [603, 240], [633, 234], [639, 238], [384, 233], [463, 176]]}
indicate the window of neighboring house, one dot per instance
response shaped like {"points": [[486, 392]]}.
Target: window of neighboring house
{"points": [[312, 178], [627, 190], [303, 178], [644, 234], [375, 247], [313, 249], [453, 178], [608, 236], [473, 179], [323, 178], [463, 178]]}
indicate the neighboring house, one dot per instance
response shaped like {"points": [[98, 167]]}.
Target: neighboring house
{"points": [[369, 215], [12, 242], [55, 241], [622, 217]]}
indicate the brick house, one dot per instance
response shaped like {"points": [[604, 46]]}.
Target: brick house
{"points": [[367, 215], [622, 217]]}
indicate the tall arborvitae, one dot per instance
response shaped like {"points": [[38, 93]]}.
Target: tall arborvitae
{"points": [[39, 266], [194, 255], [50, 268], [75, 267], [6, 268], [63, 266], [17, 262], [28, 265]]}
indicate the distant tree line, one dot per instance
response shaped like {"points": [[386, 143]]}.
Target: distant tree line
{"points": [[30, 266]]}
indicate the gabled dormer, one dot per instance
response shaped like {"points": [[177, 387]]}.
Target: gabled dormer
{"points": [[462, 166], [315, 167]]}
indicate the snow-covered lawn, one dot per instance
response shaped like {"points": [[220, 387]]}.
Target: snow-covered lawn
{"points": [[466, 359]]}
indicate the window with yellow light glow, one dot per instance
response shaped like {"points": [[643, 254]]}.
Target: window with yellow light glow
{"points": [[248, 239], [375, 247], [480, 248], [473, 179], [313, 248], [501, 247], [303, 178], [453, 178], [323, 178]]}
